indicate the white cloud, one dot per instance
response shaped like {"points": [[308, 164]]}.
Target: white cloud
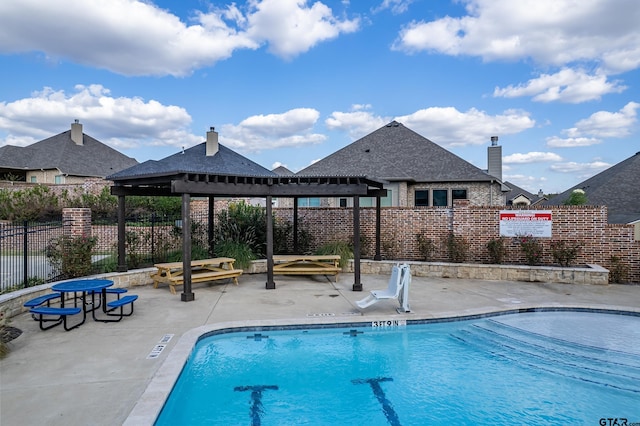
{"points": [[358, 123], [567, 85], [599, 125], [587, 168], [261, 132], [552, 32], [448, 126], [396, 6], [291, 28], [153, 41], [531, 157], [116, 121]]}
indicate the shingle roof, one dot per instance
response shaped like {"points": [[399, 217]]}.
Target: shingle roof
{"points": [[615, 187], [282, 171], [92, 159], [195, 160], [396, 153]]}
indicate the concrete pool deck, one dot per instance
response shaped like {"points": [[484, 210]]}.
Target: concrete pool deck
{"points": [[96, 374]]}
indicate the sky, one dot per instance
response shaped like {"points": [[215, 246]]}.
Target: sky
{"points": [[288, 82]]}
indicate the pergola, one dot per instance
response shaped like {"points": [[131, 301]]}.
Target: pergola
{"points": [[149, 182]]}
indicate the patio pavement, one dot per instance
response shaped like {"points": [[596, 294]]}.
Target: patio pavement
{"points": [[97, 373]]}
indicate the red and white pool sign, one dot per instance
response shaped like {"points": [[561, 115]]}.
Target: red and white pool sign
{"points": [[536, 223]]}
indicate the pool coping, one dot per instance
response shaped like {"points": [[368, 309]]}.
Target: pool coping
{"points": [[148, 407]]}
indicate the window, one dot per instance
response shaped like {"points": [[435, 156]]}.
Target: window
{"points": [[343, 202], [421, 197], [34, 179], [440, 197], [58, 179], [458, 194], [387, 201], [308, 202]]}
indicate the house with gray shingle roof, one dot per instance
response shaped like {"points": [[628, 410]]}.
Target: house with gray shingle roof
{"points": [[69, 157], [418, 171], [616, 187], [517, 196]]}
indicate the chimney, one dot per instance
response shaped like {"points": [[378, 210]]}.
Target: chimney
{"points": [[76, 133], [212, 142], [494, 159]]}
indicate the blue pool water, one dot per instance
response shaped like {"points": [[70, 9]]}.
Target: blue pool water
{"points": [[530, 368]]}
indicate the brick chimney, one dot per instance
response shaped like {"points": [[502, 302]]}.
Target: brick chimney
{"points": [[76, 133], [212, 142], [494, 159]]}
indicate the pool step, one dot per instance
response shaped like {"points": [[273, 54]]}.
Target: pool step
{"points": [[587, 363]]}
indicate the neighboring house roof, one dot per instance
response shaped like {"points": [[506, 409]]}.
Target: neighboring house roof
{"points": [[195, 160], [615, 187], [91, 159], [515, 191], [396, 153], [282, 171]]}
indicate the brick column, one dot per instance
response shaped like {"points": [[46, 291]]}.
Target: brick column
{"points": [[76, 222]]}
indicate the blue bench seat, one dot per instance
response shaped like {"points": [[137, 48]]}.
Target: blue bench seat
{"points": [[61, 313], [116, 307], [37, 301]]}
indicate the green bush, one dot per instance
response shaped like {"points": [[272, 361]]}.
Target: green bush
{"points": [[457, 248], [71, 255], [426, 247], [341, 248], [243, 223], [241, 252], [618, 271], [532, 249], [564, 252], [497, 250]]}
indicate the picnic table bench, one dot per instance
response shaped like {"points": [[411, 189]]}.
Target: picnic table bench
{"points": [[294, 264], [203, 270]]}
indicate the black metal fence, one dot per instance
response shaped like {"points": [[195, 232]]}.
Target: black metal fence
{"points": [[23, 258], [149, 239]]}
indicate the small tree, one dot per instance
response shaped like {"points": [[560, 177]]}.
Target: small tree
{"points": [[577, 198]]}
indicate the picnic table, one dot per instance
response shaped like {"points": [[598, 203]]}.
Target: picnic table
{"points": [[294, 264], [203, 270]]}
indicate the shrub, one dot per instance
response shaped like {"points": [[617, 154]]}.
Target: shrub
{"points": [[532, 249], [457, 248], [71, 255], [241, 252], [564, 252], [243, 223], [338, 247], [497, 250], [426, 247], [618, 271]]}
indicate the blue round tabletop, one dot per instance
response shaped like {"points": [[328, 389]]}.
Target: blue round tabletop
{"points": [[81, 285]]}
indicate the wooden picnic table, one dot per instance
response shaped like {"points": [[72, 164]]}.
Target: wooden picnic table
{"points": [[295, 264], [203, 270]]}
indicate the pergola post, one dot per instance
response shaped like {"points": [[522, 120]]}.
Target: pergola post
{"points": [[357, 284], [210, 226], [187, 295], [295, 225], [377, 256], [122, 254], [270, 285]]}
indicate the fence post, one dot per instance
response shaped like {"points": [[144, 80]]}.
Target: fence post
{"points": [[25, 254]]}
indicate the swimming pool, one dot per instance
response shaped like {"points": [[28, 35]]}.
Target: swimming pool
{"points": [[528, 368]]}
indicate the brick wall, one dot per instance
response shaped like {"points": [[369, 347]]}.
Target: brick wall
{"points": [[399, 227], [477, 224]]}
